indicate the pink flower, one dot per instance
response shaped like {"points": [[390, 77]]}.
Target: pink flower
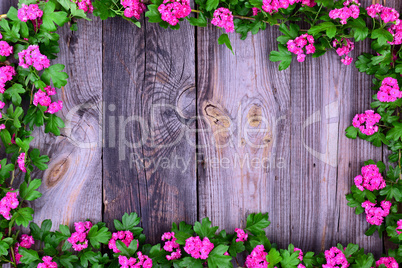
{"points": [[334, 257], [389, 90], [26, 241], [5, 49], [300, 253], [171, 246], [32, 57], [366, 122], [255, 10], [47, 263], [78, 239], [389, 262], [43, 98], [223, 18], [21, 162], [257, 258], [198, 249], [399, 227], [31, 12], [296, 46], [371, 179], [84, 5], [134, 8], [376, 215], [6, 75], [173, 10], [241, 235], [350, 10], [273, 6], [142, 261], [343, 48], [10, 201], [385, 13], [125, 236]]}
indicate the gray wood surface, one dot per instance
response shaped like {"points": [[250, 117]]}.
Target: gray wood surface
{"points": [[171, 125]]}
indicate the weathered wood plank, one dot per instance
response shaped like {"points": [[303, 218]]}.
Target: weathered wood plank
{"points": [[244, 152], [72, 186], [154, 72]]}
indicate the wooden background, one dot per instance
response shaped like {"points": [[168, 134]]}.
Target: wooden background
{"points": [[140, 99]]}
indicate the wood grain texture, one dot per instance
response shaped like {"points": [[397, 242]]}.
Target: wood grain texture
{"points": [[244, 152], [149, 154], [72, 186]]}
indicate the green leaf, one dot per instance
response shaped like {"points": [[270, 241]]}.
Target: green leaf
{"points": [[103, 9], [212, 4], [50, 17], [23, 216], [328, 27], [395, 133], [289, 260], [371, 230], [5, 170], [283, 55], [289, 33], [351, 249], [359, 29], [273, 258], [224, 39], [205, 228], [216, 259], [364, 261], [351, 132], [53, 124], [382, 36], [39, 160], [27, 192], [191, 262], [67, 260], [28, 255], [55, 74], [256, 223], [153, 14], [24, 145], [13, 93], [201, 21], [96, 237]]}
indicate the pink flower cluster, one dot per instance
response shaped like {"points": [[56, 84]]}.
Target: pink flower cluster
{"points": [[387, 14], [43, 98], [6, 74], [343, 48], [399, 227], [241, 235], [396, 31], [21, 162], [198, 249], [47, 263], [300, 253], [273, 6], [85, 5], [257, 258], [171, 246], [125, 236], [31, 12], [79, 238], [5, 49], [173, 10], [335, 257], [305, 41], [134, 8], [142, 261], [371, 179], [255, 10], [389, 262], [375, 215], [389, 90], [10, 201], [366, 122], [26, 241], [350, 10], [223, 18], [32, 57]]}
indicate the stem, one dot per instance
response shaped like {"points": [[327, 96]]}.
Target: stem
{"points": [[399, 164], [316, 16], [3, 16]]}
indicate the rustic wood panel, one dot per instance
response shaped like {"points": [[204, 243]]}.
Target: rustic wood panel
{"points": [[72, 186], [244, 137], [149, 154]]}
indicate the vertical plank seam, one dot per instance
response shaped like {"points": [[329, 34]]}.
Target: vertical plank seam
{"points": [[196, 123]]}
